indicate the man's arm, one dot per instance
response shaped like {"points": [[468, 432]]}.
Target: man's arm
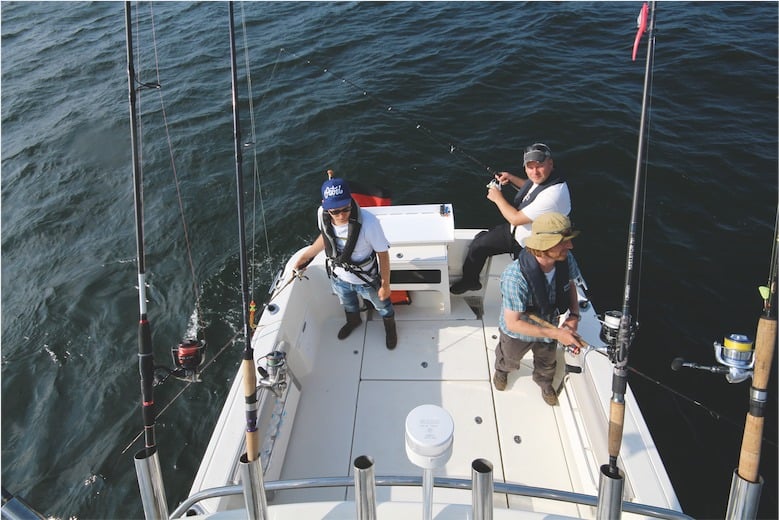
{"points": [[520, 326], [512, 215]]}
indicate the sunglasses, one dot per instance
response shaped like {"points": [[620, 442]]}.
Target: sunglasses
{"points": [[564, 232], [338, 211]]}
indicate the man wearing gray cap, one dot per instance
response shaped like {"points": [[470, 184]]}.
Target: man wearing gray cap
{"points": [[543, 191], [539, 282]]}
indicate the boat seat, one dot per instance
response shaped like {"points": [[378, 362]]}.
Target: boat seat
{"points": [[418, 237]]}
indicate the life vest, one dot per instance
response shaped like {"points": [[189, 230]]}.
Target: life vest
{"points": [[536, 280], [366, 269], [553, 179]]}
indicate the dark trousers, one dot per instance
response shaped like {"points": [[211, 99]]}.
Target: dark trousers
{"points": [[496, 241], [510, 352]]}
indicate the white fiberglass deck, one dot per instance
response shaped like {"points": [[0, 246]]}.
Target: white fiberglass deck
{"points": [[351, 398], [356, 400]]}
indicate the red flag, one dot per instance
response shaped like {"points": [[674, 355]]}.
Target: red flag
{"points": [[642, 18]]}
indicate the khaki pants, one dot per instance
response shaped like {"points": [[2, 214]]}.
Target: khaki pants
{"points": [[510, 352]]}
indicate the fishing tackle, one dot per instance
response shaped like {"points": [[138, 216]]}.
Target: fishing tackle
{"points": [[609, 331], [188, 356], [735, 355]]}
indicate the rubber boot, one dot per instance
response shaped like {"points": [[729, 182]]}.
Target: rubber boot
{"points": [[392, 333], [352, 321]]}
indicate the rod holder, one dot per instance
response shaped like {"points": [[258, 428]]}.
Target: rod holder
{"points": [[253, 488], [610, 494], [481, 489], [365, 488], [429, 441], [744, 498], [147, 468]]}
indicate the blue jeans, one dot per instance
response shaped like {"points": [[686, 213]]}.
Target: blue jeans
{"points": [[347, 295]]}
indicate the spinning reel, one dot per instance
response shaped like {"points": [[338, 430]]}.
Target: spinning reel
{"points": [[609, 332], [188, 357], [736, 354]]}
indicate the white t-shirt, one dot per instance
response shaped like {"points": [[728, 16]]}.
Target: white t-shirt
{"points": [[554, 198], [371, 239]]}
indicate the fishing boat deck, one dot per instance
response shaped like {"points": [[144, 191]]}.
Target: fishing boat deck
{"points": [[357, 400], [350, 397]]}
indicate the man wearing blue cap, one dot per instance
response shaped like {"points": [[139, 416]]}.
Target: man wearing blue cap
{"points": [[357, 257], [543, 191]]}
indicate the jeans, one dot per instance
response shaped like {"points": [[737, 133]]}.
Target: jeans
{"points": [[347, 295]]}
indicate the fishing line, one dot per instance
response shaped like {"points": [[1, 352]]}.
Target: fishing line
{"points": [[715, 414], [648, 129], [174, 170], [257, 178], [387, 107]]}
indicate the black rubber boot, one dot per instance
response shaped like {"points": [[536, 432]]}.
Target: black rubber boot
{"points": [[352, 321], [392, 333]]}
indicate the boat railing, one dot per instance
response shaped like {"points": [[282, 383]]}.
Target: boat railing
{"points": [[441, 482]]}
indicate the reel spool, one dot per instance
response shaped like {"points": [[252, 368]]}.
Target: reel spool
{"points": [[188, 356], [609, 329], [609, 332], [736, 351]]}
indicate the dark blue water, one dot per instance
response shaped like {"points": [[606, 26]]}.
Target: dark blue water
{"points": [[344, 86]]}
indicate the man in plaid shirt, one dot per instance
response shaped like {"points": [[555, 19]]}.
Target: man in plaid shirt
{"points": [[540, 281]]}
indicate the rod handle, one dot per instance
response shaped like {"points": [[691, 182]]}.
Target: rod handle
{"points": [[616, 425], [250, 393], [765, 343]]}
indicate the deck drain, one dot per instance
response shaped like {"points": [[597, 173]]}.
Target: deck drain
{"points": [[478, 420], [424, 364], [518, 439]]}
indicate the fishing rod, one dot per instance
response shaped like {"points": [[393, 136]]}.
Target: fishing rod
{"points": [[588, 347], [746, 484], [387, 107], [247, 364], [611, 487], [250, 463], [147, 464]]}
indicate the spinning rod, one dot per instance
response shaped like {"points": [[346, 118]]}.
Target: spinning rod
{"points": [[389, 108]]}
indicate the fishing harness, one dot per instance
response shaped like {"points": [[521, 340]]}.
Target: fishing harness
{"points": [[536, 280], [366, 269], [519, 203]]}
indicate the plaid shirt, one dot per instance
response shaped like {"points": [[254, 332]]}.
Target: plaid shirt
{"points": [[518, 297]]}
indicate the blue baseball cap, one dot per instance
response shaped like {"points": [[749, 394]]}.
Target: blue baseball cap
{"points": [[335, 194]]}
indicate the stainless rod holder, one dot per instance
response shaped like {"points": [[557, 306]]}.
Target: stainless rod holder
{"points": [[482, 489], [744, 498], [365, 488], [610, 494], [147, 468], [253, 488], [427, 494]]}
